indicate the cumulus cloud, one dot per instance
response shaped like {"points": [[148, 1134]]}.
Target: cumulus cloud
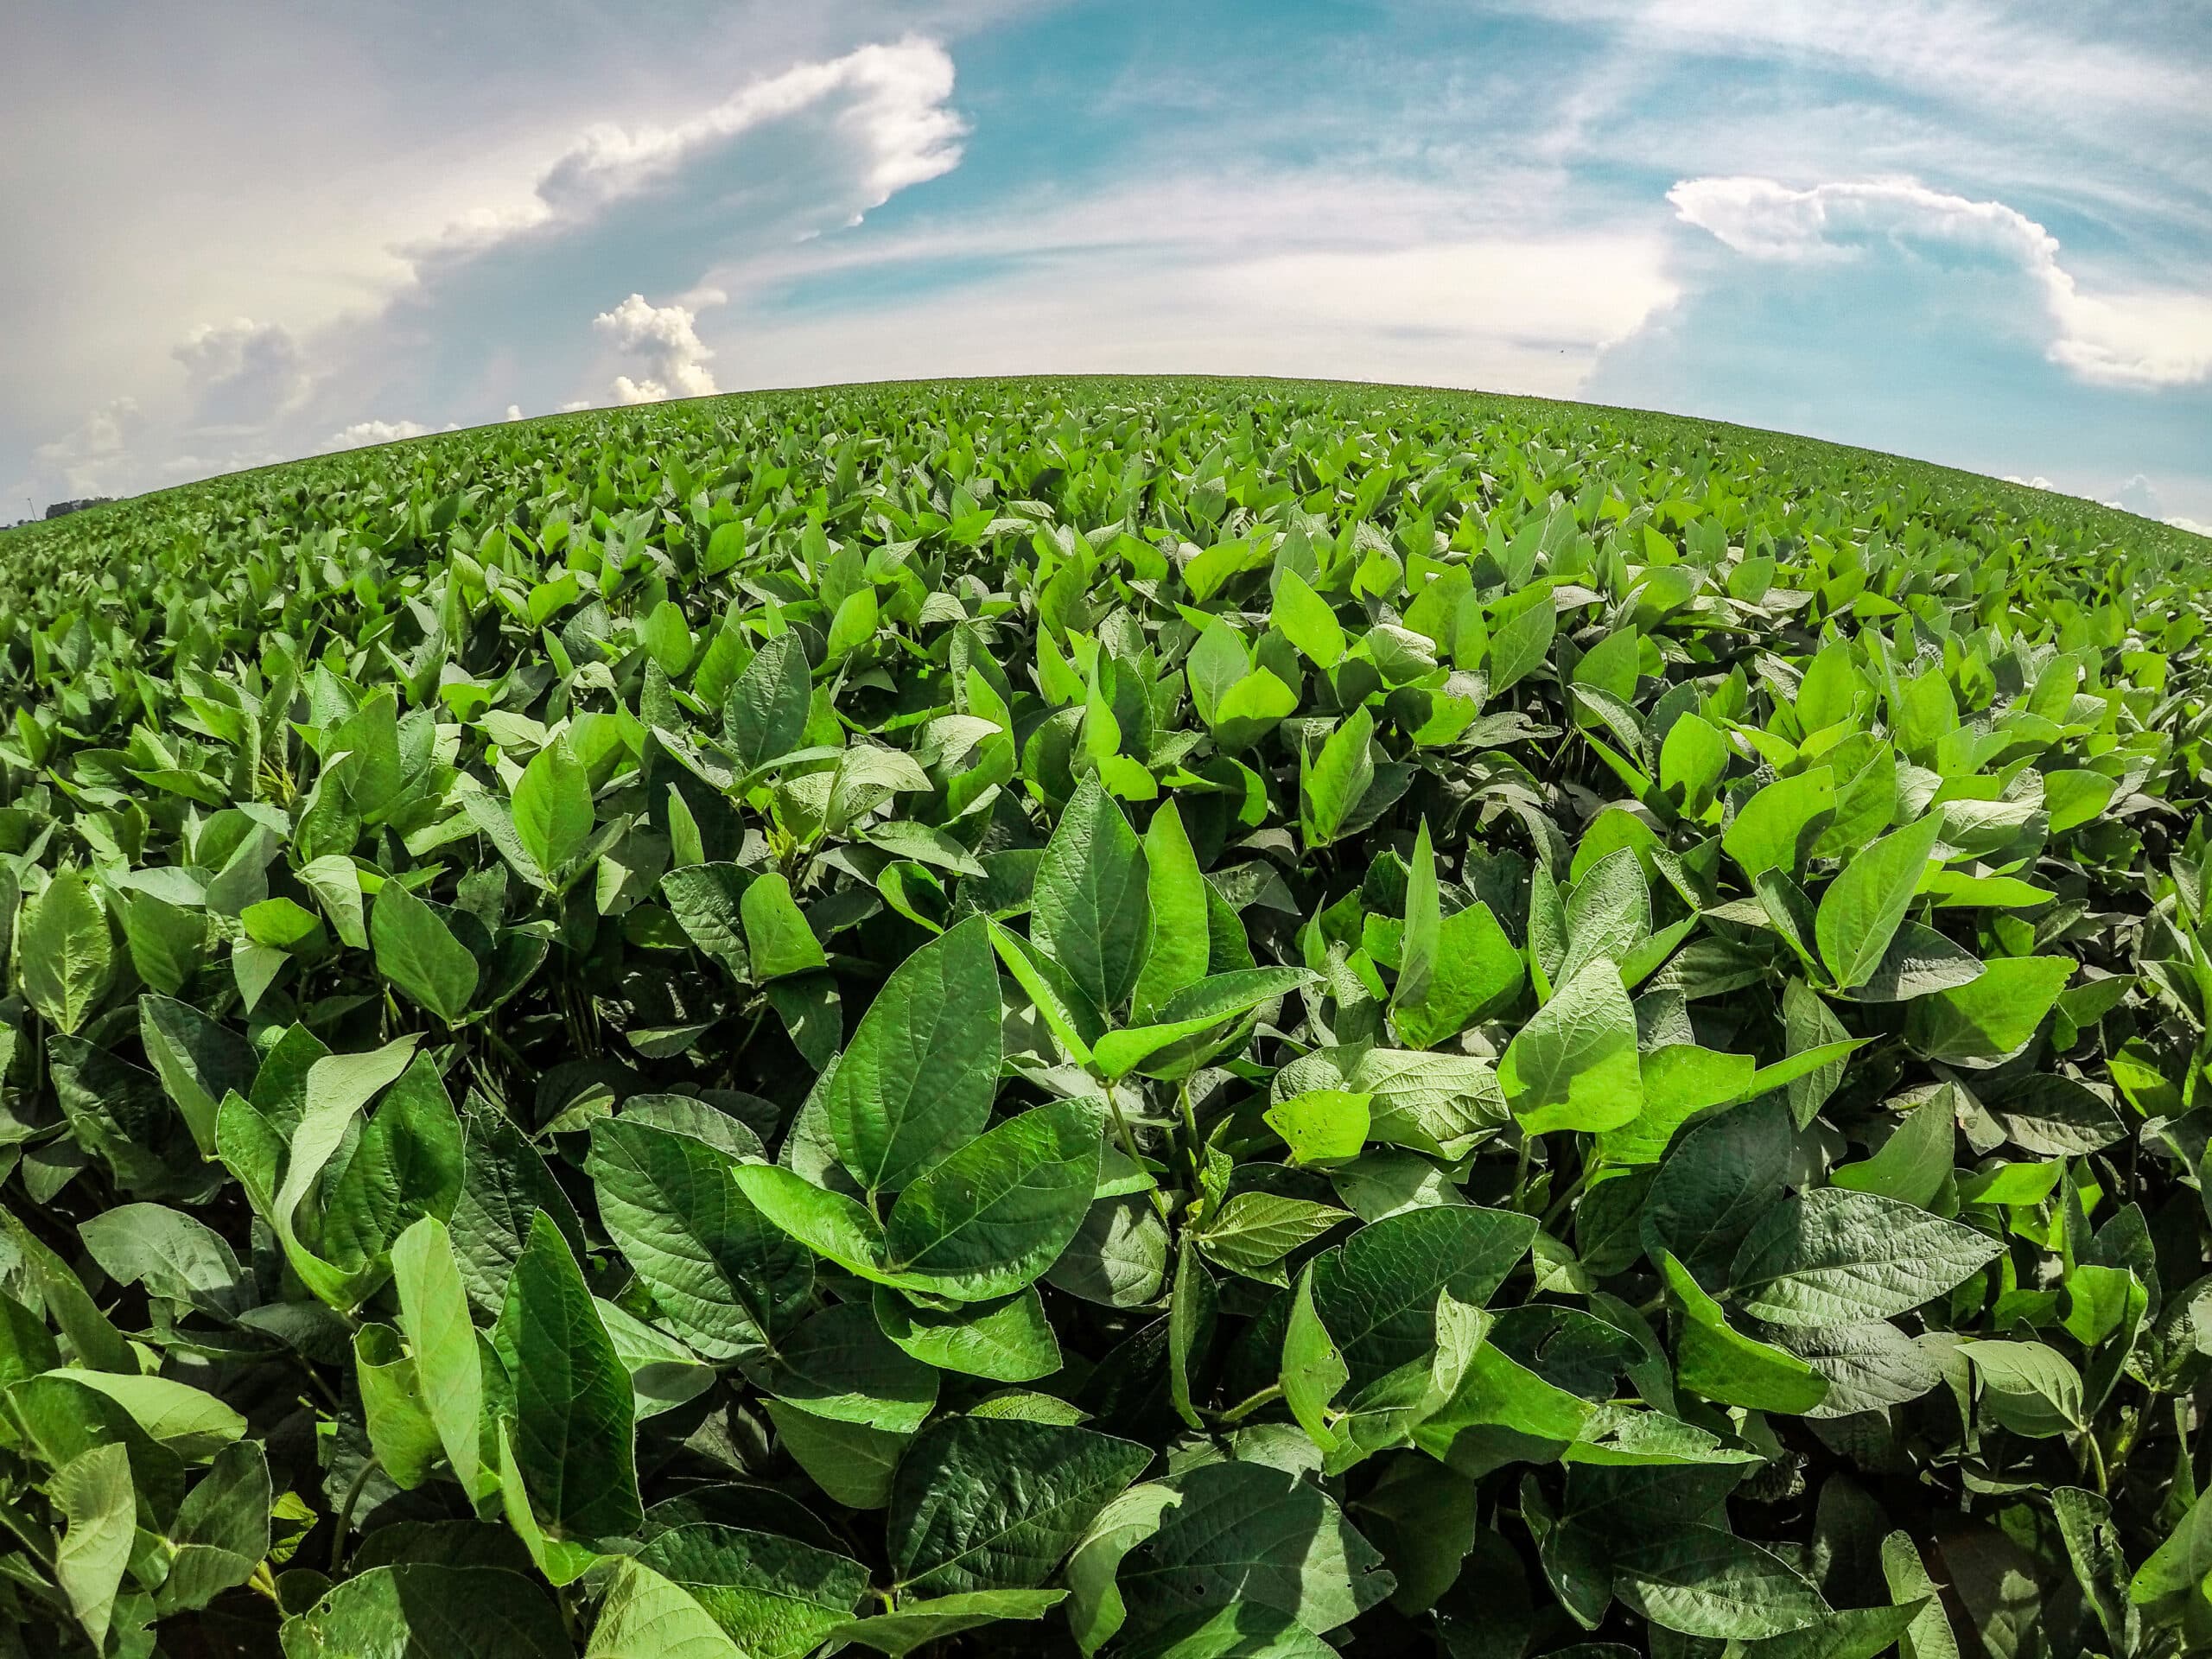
{"points": [[892, 99], [514, 411], [362, 433], [241, 374], [2147, 338], [95, 457], [663, 340], [2190, 525]]}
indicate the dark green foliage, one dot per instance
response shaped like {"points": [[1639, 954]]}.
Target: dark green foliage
{"points": [[1163, 1018]]}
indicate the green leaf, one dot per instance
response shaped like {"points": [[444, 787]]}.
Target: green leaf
{"points": [[1314, 1372], [1724, 1365], [421, 1610], [1993, 1018], [1776, 829], [221, 1530], [1929, 1635], [400, 1432], [1091, 907], [765, 716], [776, 1598], [1321, 1126], [1836, 1257], [1377, 1292], [1574, 1065], [1194, 1010], [1095, 1609], [646, 1617], [1253, 1231], [916, 1081], [1521, 628], [1306, 620], [777, 941], [64, 952], [1246, 1533], [419, 953], [98, 1508], [996, 1503], [1915, 1161], [448, 1371], [1008, 1341], [552, 806], [2028, 1388], [851, 1462], [1860, 910], [572, 1413], [1176, 950], [914, 1623], [727, 1279], [986, 1221], [839, 1365], [1333, 779], [1703, 1581]]}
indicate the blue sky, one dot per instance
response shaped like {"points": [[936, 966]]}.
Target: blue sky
{"points": [[1957, 229]]}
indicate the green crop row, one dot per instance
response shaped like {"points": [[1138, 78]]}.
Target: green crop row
{"points": [[1191, 1020]]}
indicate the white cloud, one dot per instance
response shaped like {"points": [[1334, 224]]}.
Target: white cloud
{"points": [[2190, 525], [514, 411], [242, 373], [663, 339], [2148, 337], [367, 432], [890, 105], [95, 458]]}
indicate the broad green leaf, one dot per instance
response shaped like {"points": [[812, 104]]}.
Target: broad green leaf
{"points": [[647, 1616], [552, 807], [1993, 1017], [923, 1620], [1176, 951], [1377, 1292], [986, 1221], [1333, 779], [1724, 1365], [98, 1509], [776, 1598], [1574, 1065], [572, 1413], [1836, 1257], [777, 941], [435, 1318], [1196, 1008], [1091, 907], [221, 1530], [1859, 912], [1322, 1126], [1914, 1162], [2028, 1388], [1703, 1581], [916, 1081], [64, 955], [1246, 1533], [996, 1503], [839, 1365], [1777, 827], [1306, 620], [419, 953], [1008, 1341], [726, 1279], [766, 713], [850, 1462]]}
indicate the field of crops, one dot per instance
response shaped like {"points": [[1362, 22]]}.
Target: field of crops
{"points": [[1221, 1020]]}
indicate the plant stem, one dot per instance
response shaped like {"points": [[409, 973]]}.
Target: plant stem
{"points": [[345, 1517]]}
